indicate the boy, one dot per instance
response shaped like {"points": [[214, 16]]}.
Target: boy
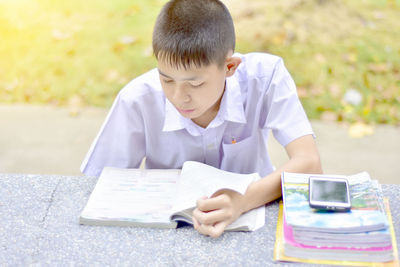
{"points": [[207, 104]]}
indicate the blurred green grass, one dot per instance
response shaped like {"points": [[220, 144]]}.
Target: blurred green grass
{"points": [[344, 55]]}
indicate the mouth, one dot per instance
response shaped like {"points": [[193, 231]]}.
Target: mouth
{"points": [[185, 111]]}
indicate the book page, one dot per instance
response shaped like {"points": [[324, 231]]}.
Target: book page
{"points": [[249, 221], [198, 180], [134, 195]]}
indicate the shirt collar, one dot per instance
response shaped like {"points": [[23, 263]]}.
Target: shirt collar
{"points": [[231, 109], [173, 120]]}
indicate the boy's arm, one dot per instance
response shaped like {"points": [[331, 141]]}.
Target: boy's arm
{"points": [[213, 215]]}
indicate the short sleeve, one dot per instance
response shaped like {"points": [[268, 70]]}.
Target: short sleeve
{"points": [[120, 142], [283, 112]]}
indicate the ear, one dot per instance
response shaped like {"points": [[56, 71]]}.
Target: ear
{"points": [[231, 64]]}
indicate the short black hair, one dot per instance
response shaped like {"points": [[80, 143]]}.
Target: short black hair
{"points": [[193, 32]]}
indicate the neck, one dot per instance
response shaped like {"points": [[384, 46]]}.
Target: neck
{"points": [[205, 119]]}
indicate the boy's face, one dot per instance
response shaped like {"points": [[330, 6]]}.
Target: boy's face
{"points": [[195, 92]]}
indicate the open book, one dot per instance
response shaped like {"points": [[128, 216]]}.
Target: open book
{"points": [[161, 198]]}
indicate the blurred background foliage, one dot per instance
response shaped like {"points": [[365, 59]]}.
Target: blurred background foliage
{"points": [[343, 55]]}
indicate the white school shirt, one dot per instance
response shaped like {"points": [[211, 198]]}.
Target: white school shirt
{"points": [[259, 97]]}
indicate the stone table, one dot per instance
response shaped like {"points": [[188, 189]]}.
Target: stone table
{"points": [[39, 226]]}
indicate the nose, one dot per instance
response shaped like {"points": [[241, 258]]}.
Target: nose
{"points": [[181, 95]]}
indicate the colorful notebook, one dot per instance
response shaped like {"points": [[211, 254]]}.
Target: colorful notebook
{"points": [[279, 250]]}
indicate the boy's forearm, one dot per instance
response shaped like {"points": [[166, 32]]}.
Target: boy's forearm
{"points": [[269, 188]]}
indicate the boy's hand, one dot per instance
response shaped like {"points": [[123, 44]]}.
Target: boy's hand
{"points": [[213, 215]]}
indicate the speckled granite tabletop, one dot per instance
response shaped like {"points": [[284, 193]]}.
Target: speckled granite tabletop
{"points": [[39, 226]]}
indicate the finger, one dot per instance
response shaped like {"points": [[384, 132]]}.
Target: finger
{"points": [[218, 229], [202, 198], [213, 231], [196, 223], [222, 191], [205, 229], [213, 203], [211, 217]]}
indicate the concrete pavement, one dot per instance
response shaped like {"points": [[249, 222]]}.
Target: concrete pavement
{"points": [[48, 140]]}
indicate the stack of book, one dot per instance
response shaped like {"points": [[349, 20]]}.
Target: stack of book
{"points": [[363, 236]]}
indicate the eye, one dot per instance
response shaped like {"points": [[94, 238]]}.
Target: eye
{"points": [[167, 81], [194, 85]]}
